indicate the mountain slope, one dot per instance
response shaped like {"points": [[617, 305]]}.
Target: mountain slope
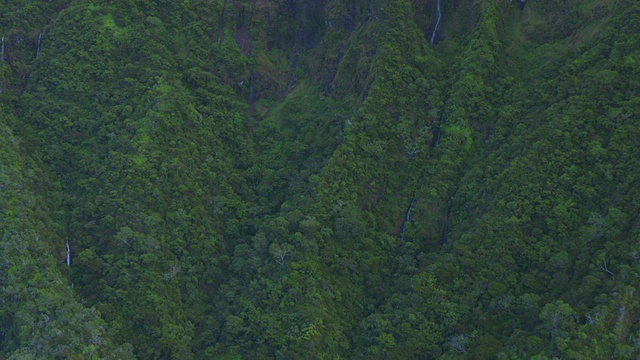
{"points": [[274, 179]]}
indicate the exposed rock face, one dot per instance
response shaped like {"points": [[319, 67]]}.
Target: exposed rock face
{"points": [[243, 40], [521, 3]]}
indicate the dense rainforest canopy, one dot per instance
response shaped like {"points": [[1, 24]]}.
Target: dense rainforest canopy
{"points": [[291, 179]]}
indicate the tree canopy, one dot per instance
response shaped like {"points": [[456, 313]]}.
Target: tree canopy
{"points": [[313, 179]]}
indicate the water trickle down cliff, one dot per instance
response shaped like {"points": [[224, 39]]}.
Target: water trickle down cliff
{"points": [[438, 18], [39, 44]]}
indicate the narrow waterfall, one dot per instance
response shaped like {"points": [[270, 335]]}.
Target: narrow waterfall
{"points": [[407, 218], [2, 57], [439, 17], [68, 254], [407, 215], [39, 43]]}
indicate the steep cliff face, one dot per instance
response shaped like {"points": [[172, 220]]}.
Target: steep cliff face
{"points": [[285, 179]]}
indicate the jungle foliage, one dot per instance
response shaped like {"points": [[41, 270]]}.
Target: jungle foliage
{"points": [[312, 179]]}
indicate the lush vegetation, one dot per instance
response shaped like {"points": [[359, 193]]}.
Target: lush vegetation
{"points": [[312, 179]]}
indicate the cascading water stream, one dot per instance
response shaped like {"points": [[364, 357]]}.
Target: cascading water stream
{"points": [[68, 254], [39, 43], [2, 56], [407, 218], [439, 17]]}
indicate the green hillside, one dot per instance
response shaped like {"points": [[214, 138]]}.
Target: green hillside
{"points": [[320, 179]]}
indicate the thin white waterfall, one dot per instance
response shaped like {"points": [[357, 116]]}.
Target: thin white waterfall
{"points": [[68, 254], [39, 42], [439, 17]]}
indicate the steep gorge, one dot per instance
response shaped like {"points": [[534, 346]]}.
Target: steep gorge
{"points": [[294, 179]]}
